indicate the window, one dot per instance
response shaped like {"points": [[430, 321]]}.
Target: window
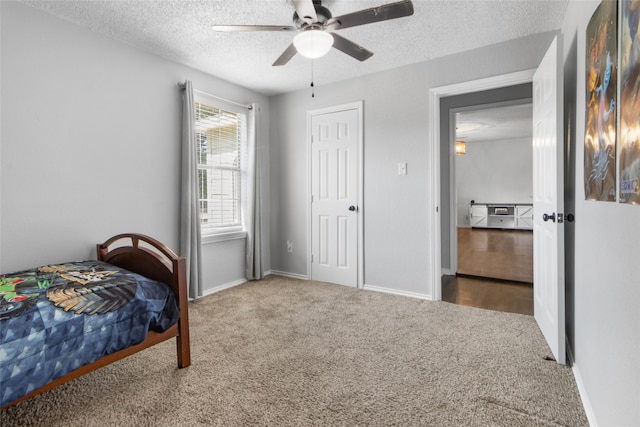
{"points": [[221, 148]]}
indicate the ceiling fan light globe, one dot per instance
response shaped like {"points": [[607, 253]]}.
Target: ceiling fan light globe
{"points": [[313, 43]]}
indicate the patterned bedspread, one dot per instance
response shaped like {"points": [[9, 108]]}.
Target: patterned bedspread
{"points": [[57, 318]]}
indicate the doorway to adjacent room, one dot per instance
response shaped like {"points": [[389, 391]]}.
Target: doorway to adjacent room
{"points": [[491, 258]]}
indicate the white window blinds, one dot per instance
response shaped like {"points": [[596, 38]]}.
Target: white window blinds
{"points": [[220, 140]]}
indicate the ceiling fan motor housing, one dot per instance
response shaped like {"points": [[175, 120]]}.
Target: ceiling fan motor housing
{"points": [[322, 13]]}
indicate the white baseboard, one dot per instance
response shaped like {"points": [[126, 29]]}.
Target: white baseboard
{"points": [[446, 271], [287, 274], [588, 409], [223, 287], [365, 287], [580, 384], [241, 281], [397, 292]]}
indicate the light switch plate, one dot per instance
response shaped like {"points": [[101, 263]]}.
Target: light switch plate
{"points": [[402, 168]]}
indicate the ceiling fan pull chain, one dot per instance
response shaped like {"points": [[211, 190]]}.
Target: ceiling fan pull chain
{"points": [[313, 94]]}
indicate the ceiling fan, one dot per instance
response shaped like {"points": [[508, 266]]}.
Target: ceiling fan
{"points": [[316, 26]]}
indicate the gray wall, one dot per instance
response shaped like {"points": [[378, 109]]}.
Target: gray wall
{"points": [[396, 242], [90, 144], [606, 313]]}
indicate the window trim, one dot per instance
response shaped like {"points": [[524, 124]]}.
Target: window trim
{"points": [[210, 234], [223, 236]]}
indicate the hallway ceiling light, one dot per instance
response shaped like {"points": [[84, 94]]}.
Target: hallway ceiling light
{"points": [[461, 148]]}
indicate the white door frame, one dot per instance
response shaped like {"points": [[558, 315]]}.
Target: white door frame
{"points": [[358, 106], [434, 264]]}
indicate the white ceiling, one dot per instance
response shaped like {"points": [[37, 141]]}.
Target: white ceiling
{"points": [[181, 31]]}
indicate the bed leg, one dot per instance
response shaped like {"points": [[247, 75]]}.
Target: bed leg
{"points": [[182, 346]]}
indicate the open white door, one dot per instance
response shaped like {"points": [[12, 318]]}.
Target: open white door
{"points": [[548, 223]]}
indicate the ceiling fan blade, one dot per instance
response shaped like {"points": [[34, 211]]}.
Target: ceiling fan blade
{"points": [[237, 28], [286, 56], [368, 16], [306, 11], [351, 48]]}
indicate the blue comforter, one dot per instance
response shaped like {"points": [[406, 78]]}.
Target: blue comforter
{"points": [[57, 318]]}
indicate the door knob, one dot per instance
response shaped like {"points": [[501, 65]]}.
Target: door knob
{"points": [[353, 208], [547, 217]]}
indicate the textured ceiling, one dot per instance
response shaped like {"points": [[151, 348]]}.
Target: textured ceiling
{"points": [[491, 124], [181, 31]]}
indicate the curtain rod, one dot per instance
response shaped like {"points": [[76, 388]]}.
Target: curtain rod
{"points": [[249, 107]]}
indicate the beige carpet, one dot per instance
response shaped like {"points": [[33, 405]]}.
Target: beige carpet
{"points": [[287, 352]]}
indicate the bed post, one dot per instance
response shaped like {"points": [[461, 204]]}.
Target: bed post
{"points": [[182, 340]]}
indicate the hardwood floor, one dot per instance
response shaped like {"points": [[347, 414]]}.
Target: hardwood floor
{"points": [[495, 270], [512, 297], [499, 254]]}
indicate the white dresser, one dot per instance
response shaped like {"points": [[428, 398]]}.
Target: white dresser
{"points": [[517, 216]]}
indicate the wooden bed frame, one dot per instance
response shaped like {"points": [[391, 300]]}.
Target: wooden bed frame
{"points": [[155, 261]]}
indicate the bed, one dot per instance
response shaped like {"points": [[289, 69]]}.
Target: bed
{"points": [[61, 321]]}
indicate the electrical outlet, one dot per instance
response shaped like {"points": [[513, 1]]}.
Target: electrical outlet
{"points": [[289, 246]]}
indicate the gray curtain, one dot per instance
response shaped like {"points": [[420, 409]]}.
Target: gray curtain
{"points": [[190, 241], [253, 266]]}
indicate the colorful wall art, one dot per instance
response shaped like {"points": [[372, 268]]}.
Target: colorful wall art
{"points": [[601, 99], [629, 144]]}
